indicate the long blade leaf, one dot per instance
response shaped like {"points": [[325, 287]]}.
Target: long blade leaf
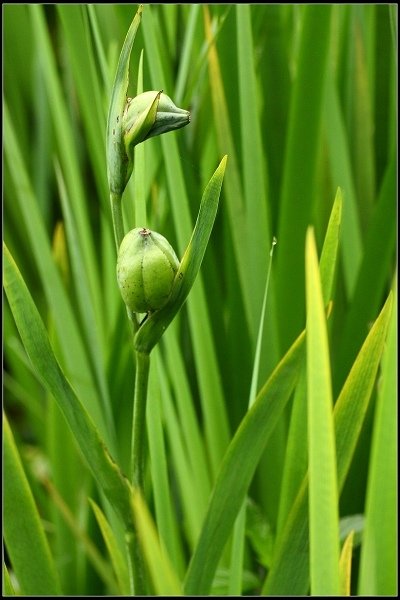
{"points": [[38, 348], [323, 497], [289, 574], [378, 571], [242, 457]]}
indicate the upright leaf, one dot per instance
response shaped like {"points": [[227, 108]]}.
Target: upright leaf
{"points": [[323, 496], [378, 570], [242, 457], [165, 580], [301, 159], [289, 574], [117, 559], [345, 565], [296, 451]]}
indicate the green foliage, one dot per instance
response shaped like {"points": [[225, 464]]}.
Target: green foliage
{"points": [[323, 495], [302, 101], [379, 534], [26, 542]]}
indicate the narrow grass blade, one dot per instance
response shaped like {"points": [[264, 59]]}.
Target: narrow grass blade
{"points": [[242, 457], [296, 452], [362, 125], [74, 353], [329, 253], [116, 557], [26, 543], [342, 174], [276, 34], [355, 394], [233, 184], [89, 87], [67, 153], [100, 52], [258, 239], [377, 260], [164, 578], [323, 496], [237, 553], [68, 471], [37, 346], [185, 64], [87, 80], [289, 574], [296, 459], [83, 294], [378, 570], [29, 391], [190, 493], [165, 516], [195, 448], [235, 580], [72, 480], [255, 183], [301, 159], [345, 565], [91, 551]]}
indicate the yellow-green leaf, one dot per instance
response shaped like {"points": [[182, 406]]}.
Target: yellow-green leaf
{"points": [[345, 565], [164, 578], [323, 496]]}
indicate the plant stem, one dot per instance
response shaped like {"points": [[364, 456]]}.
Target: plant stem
{"points": [[138, 458], [118, 222], [136, 562], [139, 419]]}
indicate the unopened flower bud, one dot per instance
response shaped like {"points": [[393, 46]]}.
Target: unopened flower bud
{"points": [[146, 269], [150, 114]]}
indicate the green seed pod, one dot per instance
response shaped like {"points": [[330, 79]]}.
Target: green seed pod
{"points": [[150, 114], [146, 269]]}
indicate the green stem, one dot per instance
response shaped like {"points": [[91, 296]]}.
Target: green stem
{"points": [[118, 221], [139, 419], [138, 457], [136, 562]]}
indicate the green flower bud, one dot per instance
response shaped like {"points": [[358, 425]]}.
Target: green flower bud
{"points": [[146, 269], [150, 114]]}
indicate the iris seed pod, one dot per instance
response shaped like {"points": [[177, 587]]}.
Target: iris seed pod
{"points": [[146, 269]]}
